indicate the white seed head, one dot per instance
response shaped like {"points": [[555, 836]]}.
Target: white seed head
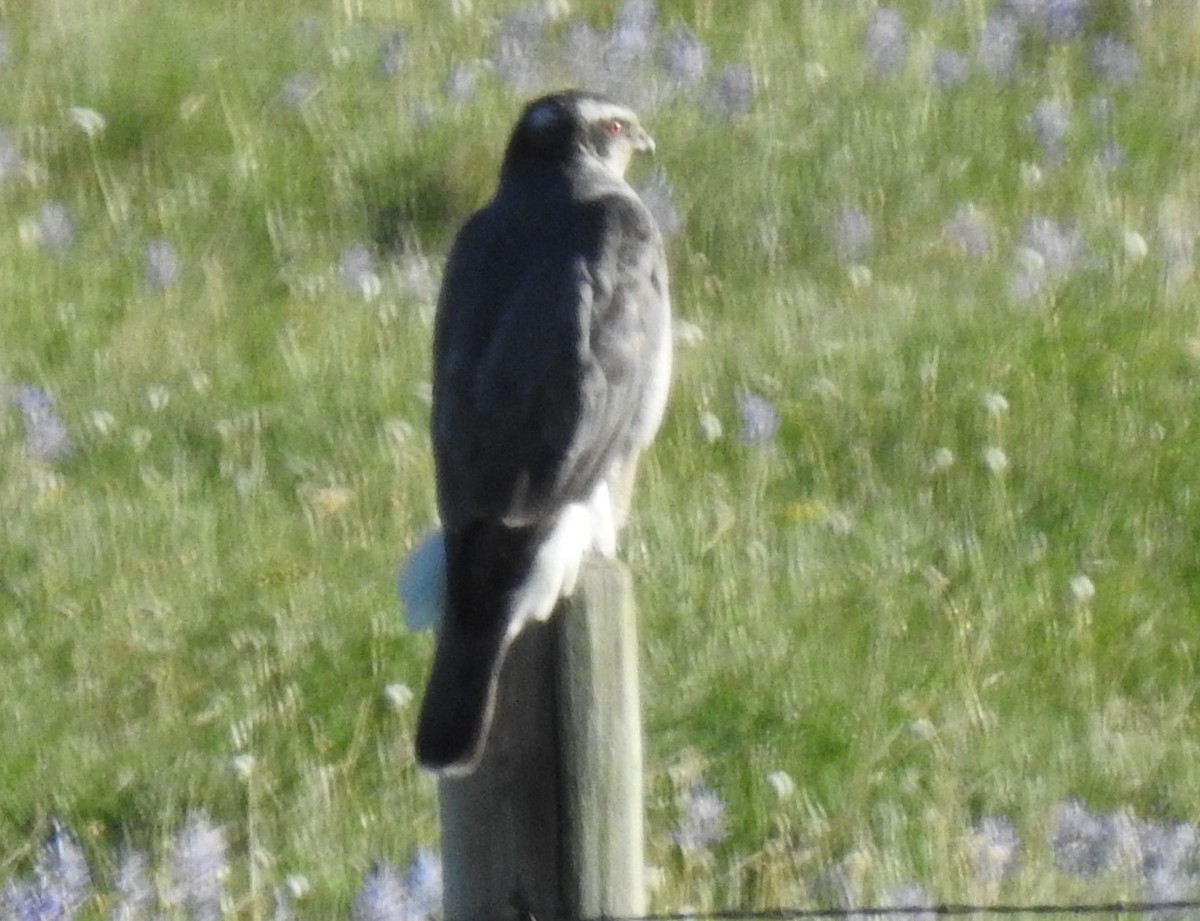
{"points": [[397, 695], [102, 421], [242, 765], [995, 404], [296, 885], [995, 459], [941, 460], [158, 396], [710, 426], [1082, 588], [782, 783], [89, 121], [685, 332], [1136, 248], [859, 275]]}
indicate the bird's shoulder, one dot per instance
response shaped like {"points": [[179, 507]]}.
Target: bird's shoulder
{"points": [[529, 241], [623, 215], [570, 198]]}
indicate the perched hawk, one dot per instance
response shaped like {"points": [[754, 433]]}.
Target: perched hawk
{"points": [[551, 363]]}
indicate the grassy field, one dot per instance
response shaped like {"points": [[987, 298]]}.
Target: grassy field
{"points": [[917, 552]]}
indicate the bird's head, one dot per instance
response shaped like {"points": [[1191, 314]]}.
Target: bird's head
{"points": [[562, 127]]}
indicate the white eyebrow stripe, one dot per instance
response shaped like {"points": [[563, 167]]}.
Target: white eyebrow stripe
{"points": [[593, 110]]}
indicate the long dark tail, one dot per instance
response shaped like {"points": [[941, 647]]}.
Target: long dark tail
{"points": [[484, 565]]}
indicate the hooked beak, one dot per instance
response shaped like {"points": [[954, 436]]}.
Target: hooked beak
{"points": [[642, 142]]}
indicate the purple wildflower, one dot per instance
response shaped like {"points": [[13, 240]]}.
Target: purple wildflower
{"points": [[633, 35], [356, 266], [759, 419], [62, 870], [10, 157], [1050, 123], [132, 887], [518, 48], [948, 68], [381, 897], [45, 432], [584, 48], [732, 89], [885, 41], [1171, 884], [1101, 110], [627, 50], [460, 83], [1049, 250], [852, 235], [914, 898], [391, 55], [21, 901], [994, 849], [1057, 21], [1059, 245], [1114, 60], [55, 229], [1079, 841], [703, 821], [161, 267], [1064, 19], [1028, 277], [298, 90], [968, 228], [1168, 860], [683, 56], [998, 46], [309, 27], [199, 868], [353, 262], [1111, 155], [423, 884]]}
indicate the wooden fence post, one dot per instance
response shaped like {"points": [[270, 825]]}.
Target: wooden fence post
{"points": [[550, 823]]}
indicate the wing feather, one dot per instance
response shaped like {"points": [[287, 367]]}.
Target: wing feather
{"points": [[544, 378]]}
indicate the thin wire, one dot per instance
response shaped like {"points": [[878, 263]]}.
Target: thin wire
{"points": [[946, 910]]}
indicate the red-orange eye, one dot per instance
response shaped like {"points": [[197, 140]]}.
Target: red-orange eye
{"points": [[614, 127]]}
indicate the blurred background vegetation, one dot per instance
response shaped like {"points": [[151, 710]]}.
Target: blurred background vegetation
{"points": [[918, 540]]}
